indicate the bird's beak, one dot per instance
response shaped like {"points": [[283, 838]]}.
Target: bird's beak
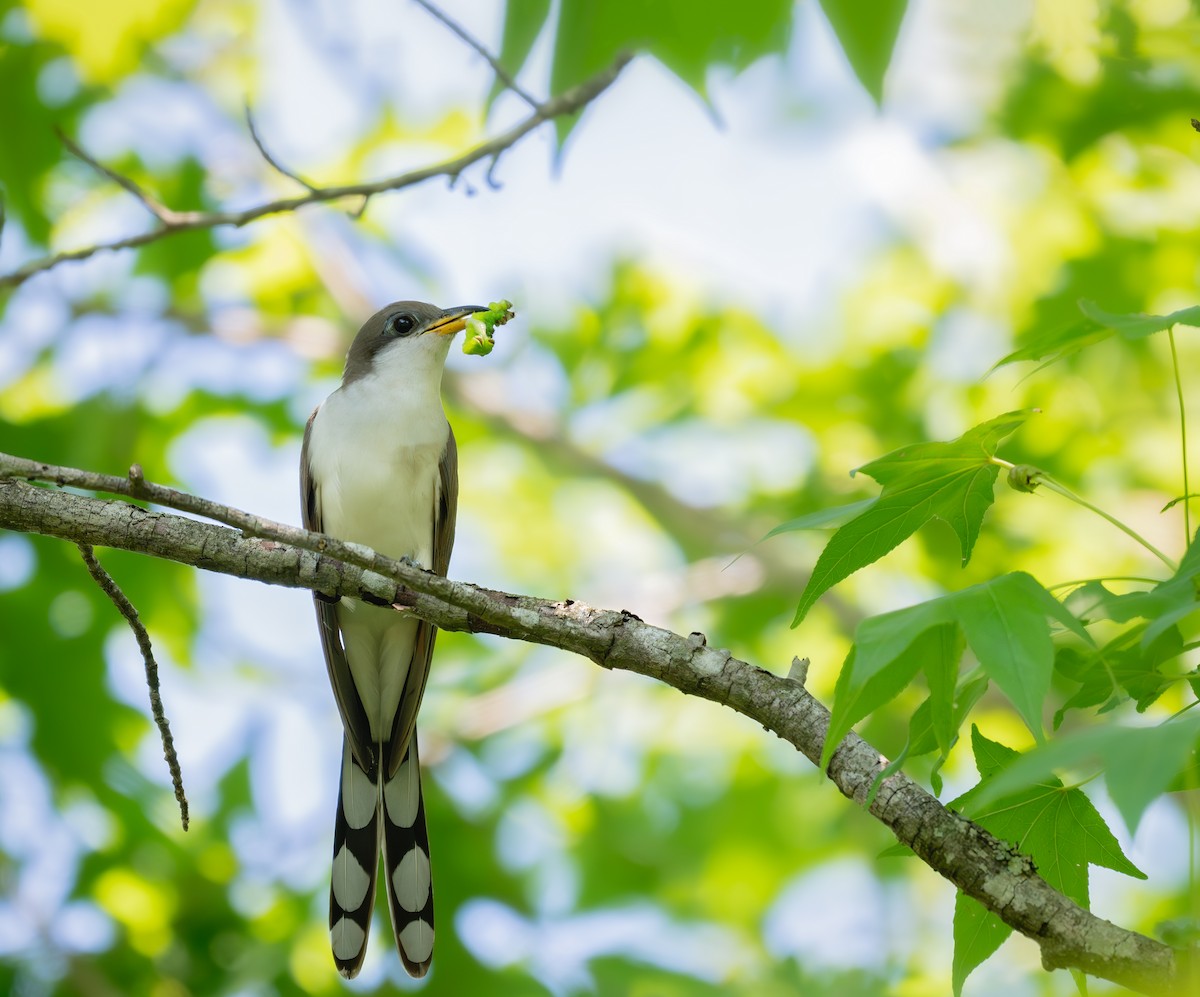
{"points": [[453, 320]]}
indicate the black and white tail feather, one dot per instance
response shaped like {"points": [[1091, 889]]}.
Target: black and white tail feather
{"points": [[369, 816]]}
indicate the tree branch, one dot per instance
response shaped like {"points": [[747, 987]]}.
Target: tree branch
{"points": [[990, 870], [176, 222], [502, 74], [263, 151], [126, 608], [159, 210]]}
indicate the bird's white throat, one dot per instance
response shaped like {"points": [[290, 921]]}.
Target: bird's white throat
{"points": [[375, 447]]}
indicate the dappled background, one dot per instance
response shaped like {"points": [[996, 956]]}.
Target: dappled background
{"points": [[737, 278]]}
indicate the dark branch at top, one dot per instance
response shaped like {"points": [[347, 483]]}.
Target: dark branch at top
{"points": [[502, 74], [174, 222], [271, 160]]}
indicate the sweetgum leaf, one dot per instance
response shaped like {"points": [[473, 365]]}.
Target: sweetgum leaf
{"points": [[1004, 621], [954, 481], [1057, 827], [1139, 763], [867, 37]]}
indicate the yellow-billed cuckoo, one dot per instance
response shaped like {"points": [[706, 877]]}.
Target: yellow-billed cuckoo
{"points": [[380, 467]]}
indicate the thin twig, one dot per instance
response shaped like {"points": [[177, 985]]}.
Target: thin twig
{"points": [[490, 177], [147, 200], [271, 160], [126, 608], [1187, 491], [502, 74], [570, 102]]}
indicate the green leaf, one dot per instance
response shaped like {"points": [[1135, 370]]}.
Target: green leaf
{"points": [[687, 36], [862, 690], [1056, 827], [1164, 605], [921, 736], [943, 647], [867, 33], [1054, 343], [1122, 669], [1139, 763], [1136, 325], [978, 933], [523, 22], [1005, 623], [954, 481], [822, 518]]}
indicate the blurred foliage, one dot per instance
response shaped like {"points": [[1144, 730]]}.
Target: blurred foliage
{"points": [[592, 832]]}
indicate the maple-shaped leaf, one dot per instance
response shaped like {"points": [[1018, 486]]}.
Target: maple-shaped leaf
{"points": [[1052, 344], [1055, 826], [1005, 621], [954, 481], [1139, 763]]}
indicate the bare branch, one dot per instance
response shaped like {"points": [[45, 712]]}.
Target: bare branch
{"points": [[146, 200], [502, 74], [572, 101], [982, 866], [126, 608], [271, 160]]}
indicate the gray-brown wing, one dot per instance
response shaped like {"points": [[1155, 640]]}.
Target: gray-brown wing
{"points": [[445, 515], [354, 717]]}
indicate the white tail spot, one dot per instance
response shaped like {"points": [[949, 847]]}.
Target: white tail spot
{"points": [[417, 939], [350, 880], [410, 879], [402, 793], [347, 939], [359, 795]]}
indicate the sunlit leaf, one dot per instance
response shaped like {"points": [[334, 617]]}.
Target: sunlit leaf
{"points": [[953, 481], [822, 518], [1137, 326], [106, 40]]}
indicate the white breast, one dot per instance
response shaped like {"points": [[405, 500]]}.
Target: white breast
{"points": [[374, 456]]}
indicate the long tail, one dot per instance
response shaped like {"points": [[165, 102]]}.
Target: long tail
{"points": [[355, 865], [406, 863]]}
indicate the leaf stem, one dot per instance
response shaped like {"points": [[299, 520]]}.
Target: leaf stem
{"points": [[1187, 517], [1054, 486], [1075, 582]]}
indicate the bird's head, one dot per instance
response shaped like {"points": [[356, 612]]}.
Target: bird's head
{"points": [[405, 336]]}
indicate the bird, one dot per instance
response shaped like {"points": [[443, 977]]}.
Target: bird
{"points": [[379, 466]]}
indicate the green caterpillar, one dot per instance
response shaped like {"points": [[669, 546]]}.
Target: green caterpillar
{"points": [[482, 325]]}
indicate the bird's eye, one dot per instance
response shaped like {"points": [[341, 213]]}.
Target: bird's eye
{"points": [[400, 325]]}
